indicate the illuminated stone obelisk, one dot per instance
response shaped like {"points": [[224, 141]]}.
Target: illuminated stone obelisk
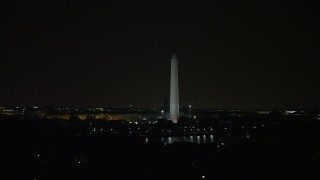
{"points": [[174, 90]]}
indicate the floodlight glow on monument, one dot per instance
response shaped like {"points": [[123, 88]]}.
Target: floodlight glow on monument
{"points": [[174, 90]]}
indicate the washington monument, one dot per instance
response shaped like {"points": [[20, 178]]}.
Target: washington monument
{"points": [[174, 90]]}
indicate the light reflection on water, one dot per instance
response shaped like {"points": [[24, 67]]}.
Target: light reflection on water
{"points": [[204, 139], [211, 138]]}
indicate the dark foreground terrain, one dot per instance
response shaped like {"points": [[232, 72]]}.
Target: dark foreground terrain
{"points": [[31, 150]]}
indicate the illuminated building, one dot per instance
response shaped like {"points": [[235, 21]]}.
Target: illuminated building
{"points": [[174, 90]]}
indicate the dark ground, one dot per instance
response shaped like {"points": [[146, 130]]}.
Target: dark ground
{"points": [[47, 151]]}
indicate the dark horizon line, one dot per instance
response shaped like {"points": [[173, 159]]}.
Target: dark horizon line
{"points": [[159, 107]]}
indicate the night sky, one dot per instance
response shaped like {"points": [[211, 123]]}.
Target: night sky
{"points": [[232, 54]]}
